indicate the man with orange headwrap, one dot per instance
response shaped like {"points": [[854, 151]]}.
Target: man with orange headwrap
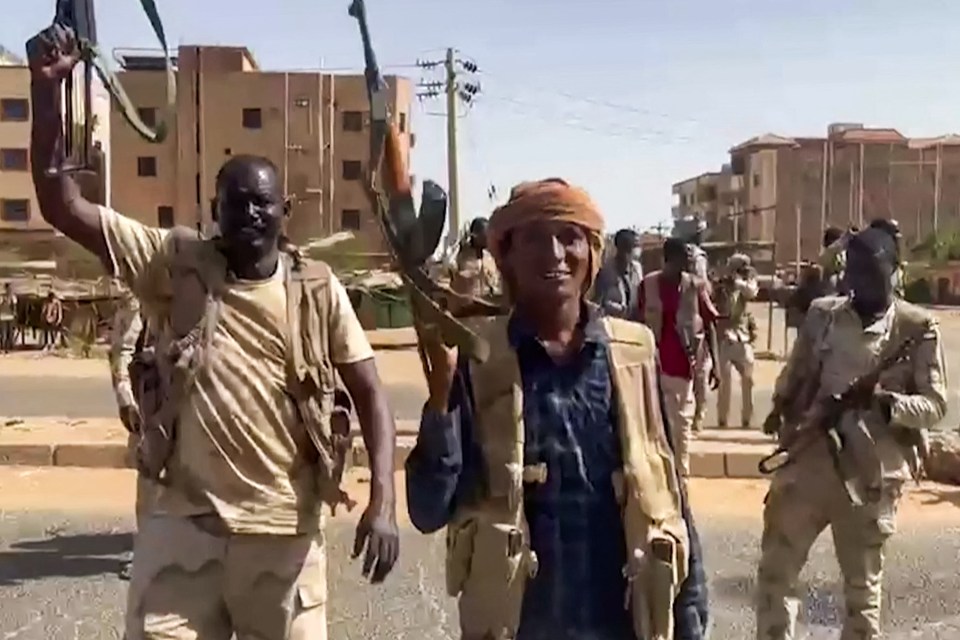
{"points": [[549, 463]]}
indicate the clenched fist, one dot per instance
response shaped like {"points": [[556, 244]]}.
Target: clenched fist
{"points": [[53, 53]]}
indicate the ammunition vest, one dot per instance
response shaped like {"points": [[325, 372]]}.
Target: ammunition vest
{"points": [[489, 558], [689, 324], [182, 328], [801, 389]]}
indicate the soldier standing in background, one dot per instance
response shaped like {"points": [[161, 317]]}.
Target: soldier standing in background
{"points": [[736, 333], [475, 272], [8, 318], [883, 426], [704, 365], [618, 282], [675, 304], [125, 334]]}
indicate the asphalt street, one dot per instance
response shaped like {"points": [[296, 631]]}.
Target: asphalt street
{"points": [[92, 397], [58, 582]]}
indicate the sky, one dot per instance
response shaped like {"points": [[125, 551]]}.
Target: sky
{"points": [[622, 97]]}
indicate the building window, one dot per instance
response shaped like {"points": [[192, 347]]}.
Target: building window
{"points": [[147, 166], [350, 220], [352, 169], [164, 216], [228, 151], [353, 121], [252, 119], [403, 123], [756, 180], [13, 159], [14, 110], [15, 210], [148, 115]]}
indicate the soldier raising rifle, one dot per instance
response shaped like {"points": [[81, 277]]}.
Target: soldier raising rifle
{"points": [[250, 340]]}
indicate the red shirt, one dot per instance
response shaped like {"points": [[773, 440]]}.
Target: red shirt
{"points": [[674, 361]]}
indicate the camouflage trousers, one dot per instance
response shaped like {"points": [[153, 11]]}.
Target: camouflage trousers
{"points": [[678, 406], [804, 499], [187, 583], [701, 372], [739, 356]]}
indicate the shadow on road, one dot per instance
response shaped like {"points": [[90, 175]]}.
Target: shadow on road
{"points": [[940, 494], [74, 556]]}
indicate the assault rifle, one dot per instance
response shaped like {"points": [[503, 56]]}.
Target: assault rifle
{"points": [[413, 238], [78, 17], [824, 421]]}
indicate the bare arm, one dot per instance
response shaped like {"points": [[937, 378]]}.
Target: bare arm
{"points": [[376, 422], [61, 203]]}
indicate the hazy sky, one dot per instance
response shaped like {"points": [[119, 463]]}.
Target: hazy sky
{"points": [[624, 97]]}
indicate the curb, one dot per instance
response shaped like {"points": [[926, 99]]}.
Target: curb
{"points": [[113, 455]]}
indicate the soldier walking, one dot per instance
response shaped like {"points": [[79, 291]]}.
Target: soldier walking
{"points": [[882, 428], [250, 342], [551, 523], [675, 304], [618, 282], [736, 333]]}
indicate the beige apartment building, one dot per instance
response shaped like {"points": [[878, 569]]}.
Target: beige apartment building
{"points": [[314, 126], [19, 214], [788, 189], [18, 204]]}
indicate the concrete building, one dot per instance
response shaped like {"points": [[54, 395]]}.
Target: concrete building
{"points": [[19, 213], [788, 189], [314, 126]]}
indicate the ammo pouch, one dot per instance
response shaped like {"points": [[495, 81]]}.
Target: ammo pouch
{"points": [[653, 581], [160, 385], [490, 589]]}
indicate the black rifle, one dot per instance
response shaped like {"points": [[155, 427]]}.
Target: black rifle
{"points": [[78, 16], [413, 238], [824, 421]]}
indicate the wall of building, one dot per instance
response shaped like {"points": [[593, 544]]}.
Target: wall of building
{"points": [[16, 182], [300, 120], [845, 179]]}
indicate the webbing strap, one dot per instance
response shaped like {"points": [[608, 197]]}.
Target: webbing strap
{"points": [[110, 81]]}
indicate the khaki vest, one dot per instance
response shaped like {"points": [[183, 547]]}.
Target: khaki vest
{"points": [[689, 323], [163, 375], [489, 558]]}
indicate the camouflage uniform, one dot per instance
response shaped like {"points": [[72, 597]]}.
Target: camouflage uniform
{"points": [[702, 364], [735, 337], [832, 349], [125, 333], [475, 275]]}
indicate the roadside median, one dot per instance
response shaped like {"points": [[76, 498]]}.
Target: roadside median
{"points": [[102, 444]]}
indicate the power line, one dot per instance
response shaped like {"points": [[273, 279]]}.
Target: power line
{"points": [[617, 131], [459, 86]]}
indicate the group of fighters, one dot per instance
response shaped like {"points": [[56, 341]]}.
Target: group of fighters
{"points": [[557, 466]]}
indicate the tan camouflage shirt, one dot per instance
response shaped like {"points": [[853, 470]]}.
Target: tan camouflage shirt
{"points": [[125, 330], [475, 276], [834, 347]]}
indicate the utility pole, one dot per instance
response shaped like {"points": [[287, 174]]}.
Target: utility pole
{"points": [[453, 176], [454, 91]]}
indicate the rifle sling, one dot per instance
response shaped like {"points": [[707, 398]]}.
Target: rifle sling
{"points": [[111, 82]]}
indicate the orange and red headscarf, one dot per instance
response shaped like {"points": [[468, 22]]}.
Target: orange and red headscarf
{"points": [[541, 200]]}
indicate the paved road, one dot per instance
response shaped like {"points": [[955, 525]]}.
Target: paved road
{"points": [[92, 397], [57, 582]]}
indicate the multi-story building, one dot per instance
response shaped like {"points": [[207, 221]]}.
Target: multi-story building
{"points": [[788, 189], [314, 126], [19, 214]]}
